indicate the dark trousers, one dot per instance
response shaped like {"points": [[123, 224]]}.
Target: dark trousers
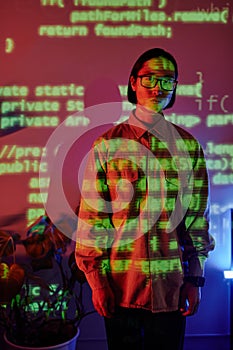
{"points": [[138, 329]]}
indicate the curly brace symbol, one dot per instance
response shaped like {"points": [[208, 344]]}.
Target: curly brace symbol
{"points": [[128, 151]]}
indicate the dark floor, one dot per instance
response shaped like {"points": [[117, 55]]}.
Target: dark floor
{"points": [[191, 343], [207, 343]]}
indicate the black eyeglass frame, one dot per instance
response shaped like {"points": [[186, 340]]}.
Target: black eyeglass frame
{"points": [[160, 80]]}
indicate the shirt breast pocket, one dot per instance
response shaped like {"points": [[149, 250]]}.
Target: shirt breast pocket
{"points": [[172, 180], [122, 184], [130, 175], [176, 181]]}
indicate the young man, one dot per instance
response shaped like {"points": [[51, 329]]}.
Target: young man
{"points": [[142, 235]]}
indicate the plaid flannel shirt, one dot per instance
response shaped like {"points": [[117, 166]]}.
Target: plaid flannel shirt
{"points": [[143, 222]]}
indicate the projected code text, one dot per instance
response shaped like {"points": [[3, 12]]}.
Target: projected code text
{"points": [[92, 22]]}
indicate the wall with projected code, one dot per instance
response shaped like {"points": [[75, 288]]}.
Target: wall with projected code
{"points": [[61, 60]]}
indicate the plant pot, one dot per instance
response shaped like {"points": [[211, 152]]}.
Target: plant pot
{"points": [[68, 345]]}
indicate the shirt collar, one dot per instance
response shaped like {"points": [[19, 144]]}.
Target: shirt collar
{"points": [[139, 128]]}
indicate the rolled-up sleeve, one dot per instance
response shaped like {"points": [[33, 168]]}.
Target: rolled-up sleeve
{"points": [[197, 242], [95, 228]]}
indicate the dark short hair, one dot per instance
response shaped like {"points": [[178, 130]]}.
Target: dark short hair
{"points": [[147, 55]]}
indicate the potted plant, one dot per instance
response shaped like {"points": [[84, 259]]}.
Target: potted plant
{"points": [[38, 309]]}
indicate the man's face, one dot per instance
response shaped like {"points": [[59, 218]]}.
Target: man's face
{"points": [[153, 98]]}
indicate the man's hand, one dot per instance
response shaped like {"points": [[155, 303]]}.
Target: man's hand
{"points": [[190, 295], [104, 301]]}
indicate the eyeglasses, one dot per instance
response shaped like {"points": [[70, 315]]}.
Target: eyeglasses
{"points": [[150, 81]]}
